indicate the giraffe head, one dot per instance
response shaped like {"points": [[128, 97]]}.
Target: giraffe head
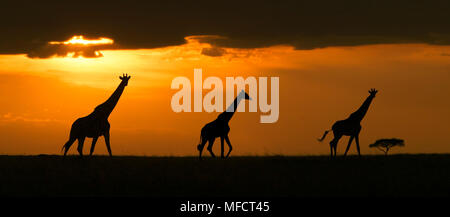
{"points": [[373, 92], [244, 95], [125, 78]]}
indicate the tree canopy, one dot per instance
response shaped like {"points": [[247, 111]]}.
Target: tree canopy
{"points": [[385, 145]]}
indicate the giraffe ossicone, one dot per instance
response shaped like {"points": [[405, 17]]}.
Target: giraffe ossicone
{"points": [[96, 124], [213, 101], [220, 128], [350, 126]]}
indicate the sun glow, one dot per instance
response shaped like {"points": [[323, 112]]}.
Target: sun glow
{"points": [[80, 40]]}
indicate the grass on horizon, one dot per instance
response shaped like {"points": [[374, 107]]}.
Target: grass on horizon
{"points": [[238, 176]]}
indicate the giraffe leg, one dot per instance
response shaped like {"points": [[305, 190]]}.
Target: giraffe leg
{"points": [[108, 145], [333, 144], [68, 144], [331, 151], [332, 147], [94, 140], [357, 145], [348, 146], [221, 147], [229, 145], [210, 145], [200, 147], [335, 147], [80, 145]]}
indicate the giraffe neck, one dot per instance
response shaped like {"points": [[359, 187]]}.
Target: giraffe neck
{"points": [[228, 114], [359, 114], [107, 107]]}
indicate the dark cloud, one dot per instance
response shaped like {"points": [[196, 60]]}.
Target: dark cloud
{"points": [[213, 51], [26, 28], [61, 50]]}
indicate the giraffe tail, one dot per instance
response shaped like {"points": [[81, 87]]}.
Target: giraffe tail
{"points": [[324, 135]]}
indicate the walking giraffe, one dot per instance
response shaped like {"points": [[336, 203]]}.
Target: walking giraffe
{"points": [[220, 128], [350, 126], [96, 124]]}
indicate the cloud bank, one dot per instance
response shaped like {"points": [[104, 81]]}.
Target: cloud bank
{"points": [[27, 29]]}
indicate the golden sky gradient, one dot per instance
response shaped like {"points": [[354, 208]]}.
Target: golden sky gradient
{"points": [[41, 98]]}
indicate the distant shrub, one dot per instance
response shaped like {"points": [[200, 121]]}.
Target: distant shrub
{"points": [[385, 145]]}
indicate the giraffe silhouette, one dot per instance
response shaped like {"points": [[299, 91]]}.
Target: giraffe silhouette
{"points": [[350, 126], [220, 128], [96, 124]]}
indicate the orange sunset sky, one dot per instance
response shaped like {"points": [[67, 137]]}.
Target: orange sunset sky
{"points": [[41, 98], [41, 95]]}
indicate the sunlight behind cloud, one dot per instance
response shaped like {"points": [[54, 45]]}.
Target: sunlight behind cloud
{"points": [[310, 82], [80, 40], [76, 47]]}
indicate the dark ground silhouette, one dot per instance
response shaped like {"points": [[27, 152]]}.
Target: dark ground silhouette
{"points": [[220, 128], [350, 126], [396, 175], [96, 124]]}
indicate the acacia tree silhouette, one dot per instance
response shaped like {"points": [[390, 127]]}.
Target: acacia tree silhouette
{"points": [[96, 124], [220, 128], [350, 126], [385, 145]]}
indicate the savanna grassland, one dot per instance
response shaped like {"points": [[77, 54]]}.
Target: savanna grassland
{"points": [[270, 176]]}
